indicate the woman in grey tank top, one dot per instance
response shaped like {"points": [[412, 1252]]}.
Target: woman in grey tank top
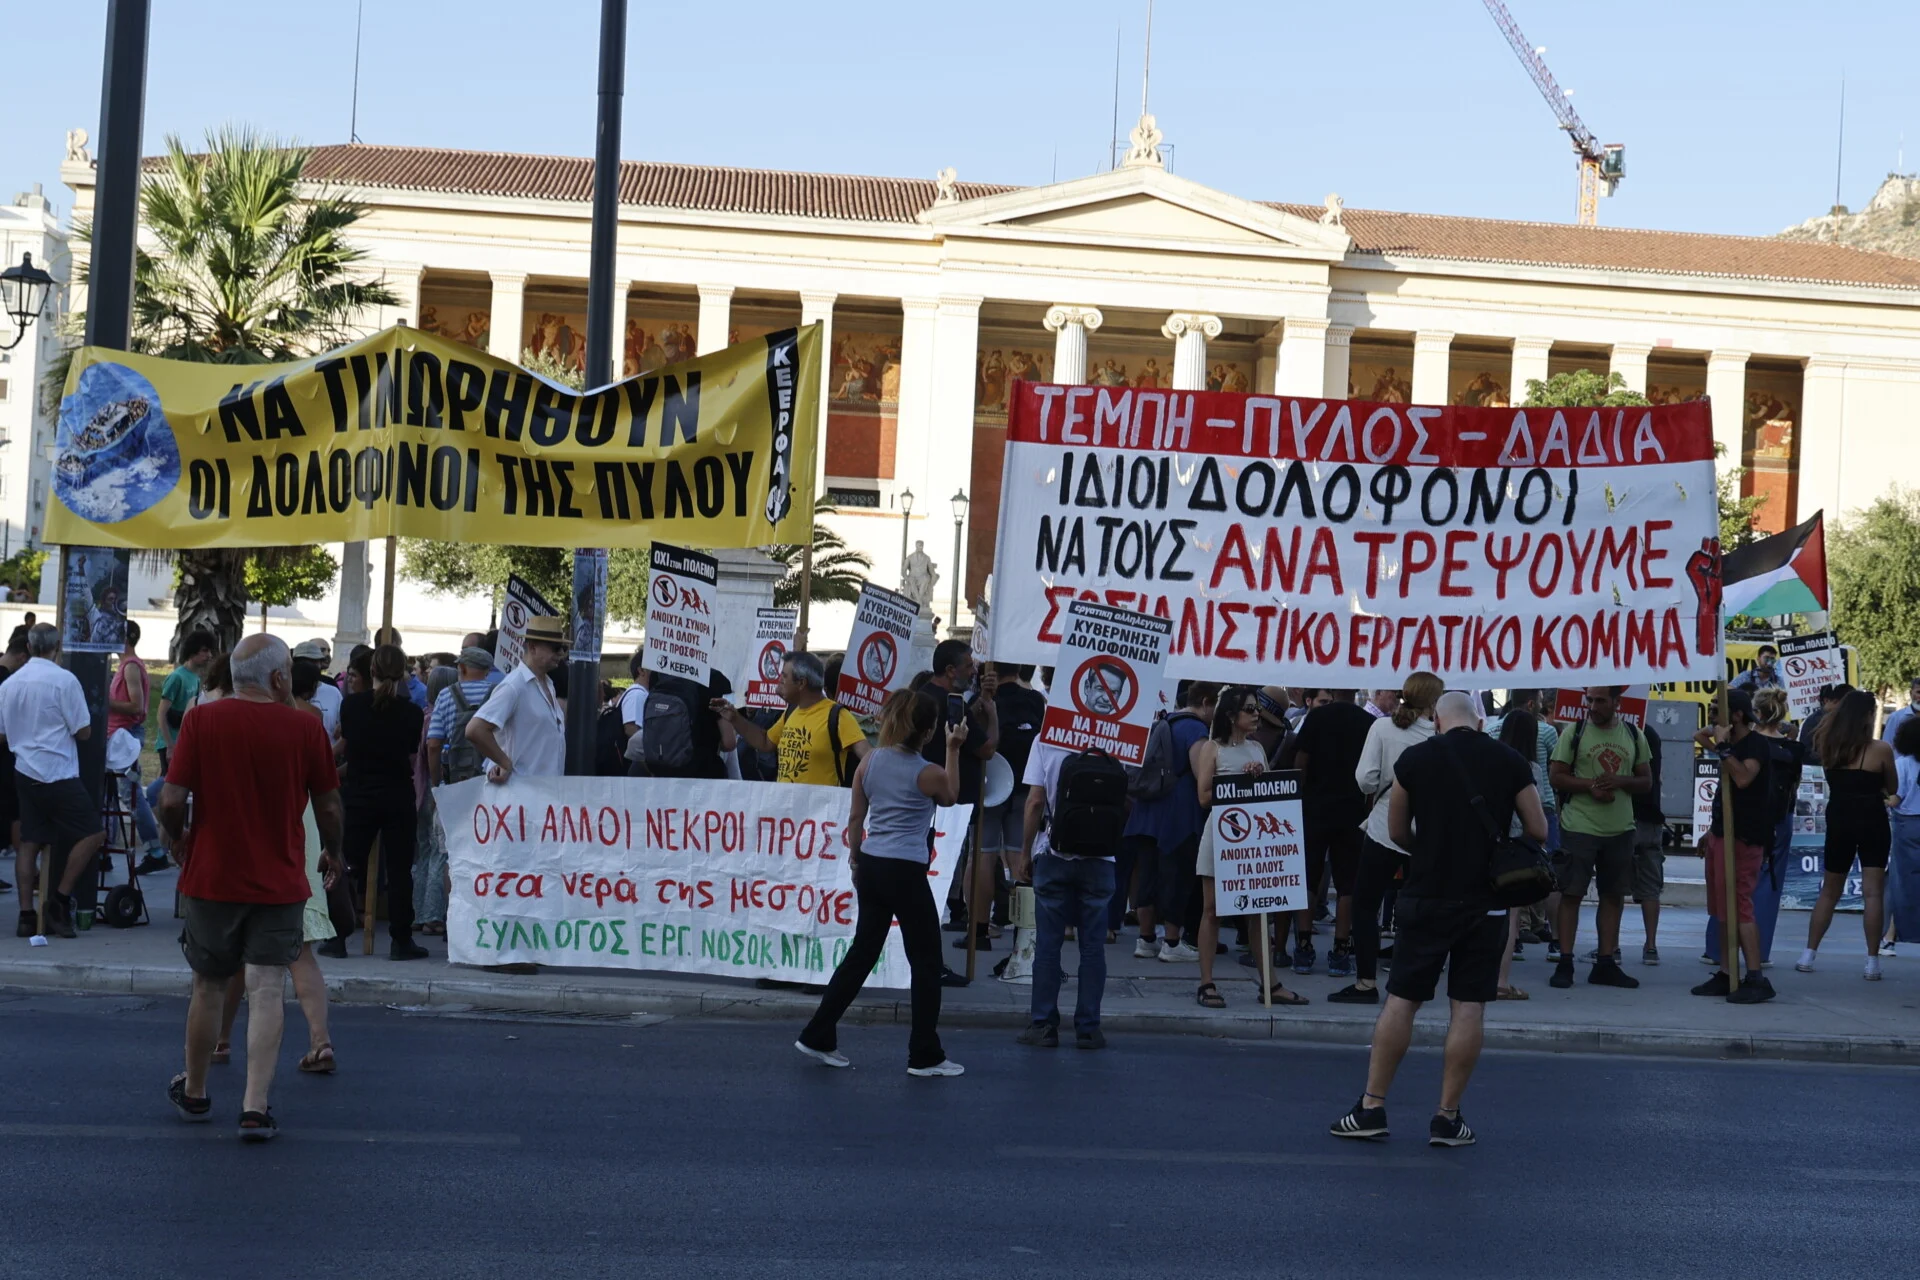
{"points": [[888, 833]]}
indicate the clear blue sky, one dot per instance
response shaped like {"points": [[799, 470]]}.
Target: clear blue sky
{"points": [[1727, 109]]}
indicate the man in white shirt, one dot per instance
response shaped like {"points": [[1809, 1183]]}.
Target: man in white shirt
{"points": [[1069, 889], [42, 716], [326, 695], [522, 729], [633, 703]]}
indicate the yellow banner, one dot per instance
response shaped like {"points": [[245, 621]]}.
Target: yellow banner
{"points": [[411, 434]]}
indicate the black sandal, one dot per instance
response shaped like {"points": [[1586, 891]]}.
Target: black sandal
{"points": [[1209, 997], [1280, 995], [258, 1126], [192, 1110]]}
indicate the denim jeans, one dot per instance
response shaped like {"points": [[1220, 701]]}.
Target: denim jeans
{"points": [[1904, 873], [1070, 891]]}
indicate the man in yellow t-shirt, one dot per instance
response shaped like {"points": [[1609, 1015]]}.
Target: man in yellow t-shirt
{"points": [[804, 734]]}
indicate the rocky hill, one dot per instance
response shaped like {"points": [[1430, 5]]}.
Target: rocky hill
{"points": [[1889, 224]]}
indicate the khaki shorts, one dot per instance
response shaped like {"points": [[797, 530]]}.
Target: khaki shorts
{"points": [[1649, 862], [220, 937], [1585, 858]]}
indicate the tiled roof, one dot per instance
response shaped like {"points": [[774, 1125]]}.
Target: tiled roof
{"points": [[864, 199]]}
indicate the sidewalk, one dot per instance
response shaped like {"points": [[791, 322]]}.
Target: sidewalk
{"points": [[1827, 1016]]}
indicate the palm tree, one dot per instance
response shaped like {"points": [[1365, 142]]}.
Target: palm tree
{"points": [[838, 570], [246, 269]]}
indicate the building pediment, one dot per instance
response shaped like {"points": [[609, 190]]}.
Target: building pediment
{"points": [[1143, 206]]}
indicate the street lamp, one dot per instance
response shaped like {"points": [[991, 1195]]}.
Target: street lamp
{"points": [[906, 510], [23, 293], [959, 518]]}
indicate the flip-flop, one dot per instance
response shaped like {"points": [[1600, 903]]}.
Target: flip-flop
{"points": [[319, 1061], [1510, 993], [1282, 996]]}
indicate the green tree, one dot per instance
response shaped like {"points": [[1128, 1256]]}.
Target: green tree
{"points": [[1583, 388], [1873, 574], [303, 574], [468, 569], [244, 267], [839, 571]]}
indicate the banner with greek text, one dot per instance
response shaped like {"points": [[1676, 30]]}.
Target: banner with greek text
{"points": [[412, 434], [1307, 540], [877, 649], [1109, 656], [746, 879]]}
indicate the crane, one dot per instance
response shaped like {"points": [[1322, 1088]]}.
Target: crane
{"points": [[1600, 166]]}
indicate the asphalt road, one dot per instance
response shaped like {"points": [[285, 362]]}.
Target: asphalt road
{"points": [[454, 1146]]}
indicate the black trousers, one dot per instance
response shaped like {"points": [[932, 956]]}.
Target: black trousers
{"points": [[1380, 871], [888, 889], [395, 821]]}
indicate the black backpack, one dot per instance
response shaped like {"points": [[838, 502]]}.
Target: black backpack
{"points": [[668, 725], [1021, 711], [844, 765], [610, 744], [1090, 806], [1160, 766]]}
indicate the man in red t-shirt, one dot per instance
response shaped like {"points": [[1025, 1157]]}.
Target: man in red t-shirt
{"points": [[251, 763]]}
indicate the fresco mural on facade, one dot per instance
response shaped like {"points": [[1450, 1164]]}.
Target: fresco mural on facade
{"points": [[863, 398], [450, 318], [1385, 377], [1480, 379], [996, 365]]}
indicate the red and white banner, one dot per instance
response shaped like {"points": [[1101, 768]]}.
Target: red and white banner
{"points": [[1305, 540], [876, 661], [1106, 678], [759, 682], [1630, 706]]}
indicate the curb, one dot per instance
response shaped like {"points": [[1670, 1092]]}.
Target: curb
{"points": [[755, 1005]]}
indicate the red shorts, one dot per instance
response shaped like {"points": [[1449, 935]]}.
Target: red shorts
{"points": [[1746, 874]]}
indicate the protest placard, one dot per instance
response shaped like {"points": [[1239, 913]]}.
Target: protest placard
{"points": [[1630, 706], [1808, 664], [589, 604], [1706, 794], [1259, 862], [680, 604], [93, 617], [522, 603], [1108, 659], [1305, 539], [747, 879], [875, 664], [759, 682]]}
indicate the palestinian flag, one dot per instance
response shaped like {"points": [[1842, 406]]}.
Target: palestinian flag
{"points": [[1786, 573]]}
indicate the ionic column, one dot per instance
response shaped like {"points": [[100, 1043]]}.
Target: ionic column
{"points": [[507, 313], [1630, 362], [1529, 365], [816, 307], [1189, 332], [1727, 389], [1432, 355], [1303, 357], [1339, 366], [1822, 402], [716, 309], [1070, 327]]}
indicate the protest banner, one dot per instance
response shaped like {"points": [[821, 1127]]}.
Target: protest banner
{"points": [[746, 879], [1742, 656], [875, 664], [681, 597], [1108, 658], [1706, 791], [405, 433], [1808, 664], [759, 682], [1631, 706], [1259, 862], [523, 603], [93, 615], [1309, 539], [589, 604]]}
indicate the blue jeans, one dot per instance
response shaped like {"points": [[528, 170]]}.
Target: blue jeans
{"points": [[1903, 873], [1070, 891]]}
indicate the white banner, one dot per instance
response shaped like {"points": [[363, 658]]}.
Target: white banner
{"points": [[680, 603], [746, 879], [1259, 862], [759, 682], [1305, 541], [1109, 659], [1807, 663], [876, 661]]}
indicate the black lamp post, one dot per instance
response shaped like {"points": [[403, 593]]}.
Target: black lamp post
{"points": [[959, 519], [906, 512], [23, 293]]}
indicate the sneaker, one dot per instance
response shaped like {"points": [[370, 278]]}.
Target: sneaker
{"points": [[1753, 989], [1146, 949], [28, 926], [1608, 973], [1528, 935], [1649, 954], [1041, 1035], [1361, 1122], [406, 949], [1562, 975], [1448, 1131], [1805, 963], [1094, 1039], [1886, 948], [1872, 973], [1718, 985], [825, 1057], [1179, 953], [1707, 958], [1303, 956], [1519, 950], [947, 1068], [1618, 956], [1553, 953], [152, 864], [334, 948], [1340, 963], [1355, 994], [948, 978], [192, 1110]]}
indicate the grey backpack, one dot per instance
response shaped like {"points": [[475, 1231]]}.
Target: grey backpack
{"points": [[666, 731], [462, 760]]}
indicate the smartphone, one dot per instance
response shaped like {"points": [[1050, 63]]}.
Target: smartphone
{"points": [[956, 709]]}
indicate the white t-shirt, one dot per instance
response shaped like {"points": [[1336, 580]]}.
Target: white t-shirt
{"points": [[1043, 770], [326, 700], [1385, 741], [633, 706], [530, 721], [41, 708]]}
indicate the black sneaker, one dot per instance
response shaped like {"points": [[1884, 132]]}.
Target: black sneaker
{"points": [[1355, 995], [406, 949], [1448, 1131], [1094, 1039], [152, 865], [1303, 956], [1041, 1035], [1562, 975], [1361, 1122], [192, 1110], [1608, 973], [334, 948], [28, 926], [948, 978], [1718, 985], [1753, 989]]}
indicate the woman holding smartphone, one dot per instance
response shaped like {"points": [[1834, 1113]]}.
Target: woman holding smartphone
{"points": [[894, 795]]}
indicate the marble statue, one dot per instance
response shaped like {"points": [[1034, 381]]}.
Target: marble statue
{"points": [[918, 576]]}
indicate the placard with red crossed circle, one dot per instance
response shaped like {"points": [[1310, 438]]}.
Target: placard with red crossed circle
{"points": [[759, 682], [1258, 844], [682, 600], [1807, 665], [876, 663], [1106, 658]]}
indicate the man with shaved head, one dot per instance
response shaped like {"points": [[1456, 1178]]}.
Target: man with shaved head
{"points": [[1446, 791]]}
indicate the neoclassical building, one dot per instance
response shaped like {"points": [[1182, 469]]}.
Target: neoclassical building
{"points": [[937, 293]]}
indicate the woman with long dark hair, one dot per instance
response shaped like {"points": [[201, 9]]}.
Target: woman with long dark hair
{"points": [[380, 732], [895, 792], [1861, 774]]}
